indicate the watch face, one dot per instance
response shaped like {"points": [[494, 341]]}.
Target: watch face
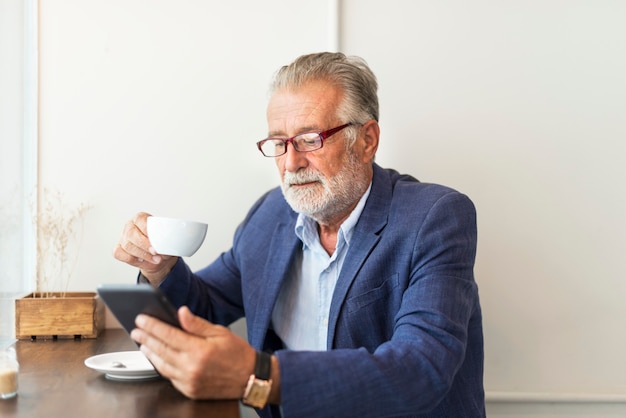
{"points": [[257, 392]]}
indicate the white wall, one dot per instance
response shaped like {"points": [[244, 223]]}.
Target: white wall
{"points": [[156, 106]]}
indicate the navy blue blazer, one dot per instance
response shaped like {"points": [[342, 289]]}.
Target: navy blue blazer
{"points": [[405, 327]]}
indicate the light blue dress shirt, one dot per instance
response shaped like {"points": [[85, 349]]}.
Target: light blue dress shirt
{"points": [[300, 316]]}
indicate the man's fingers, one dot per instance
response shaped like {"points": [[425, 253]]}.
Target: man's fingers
{"points": [[141, 222], [134, 242], [154, 338], [140, 258], [194, 324]]}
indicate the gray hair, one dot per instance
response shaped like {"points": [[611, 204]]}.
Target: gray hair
{"points": [[350, 73]]}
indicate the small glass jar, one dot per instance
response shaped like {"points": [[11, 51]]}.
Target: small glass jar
{"points": [[9, 369]]}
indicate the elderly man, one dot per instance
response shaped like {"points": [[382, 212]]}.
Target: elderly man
{"points": [[356, 281]]}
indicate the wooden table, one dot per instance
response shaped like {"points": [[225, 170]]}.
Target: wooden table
{"points": [[54, 382]]}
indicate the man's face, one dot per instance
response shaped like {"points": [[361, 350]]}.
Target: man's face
{"points": [[327, 183]]}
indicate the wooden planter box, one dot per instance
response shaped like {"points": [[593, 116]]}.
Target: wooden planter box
{"points": [[72, 315]]}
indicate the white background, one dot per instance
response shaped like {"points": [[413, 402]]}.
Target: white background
{"points": [[156, 106]]}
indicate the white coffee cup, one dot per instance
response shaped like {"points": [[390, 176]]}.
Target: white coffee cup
{"points": [[179, 237]]}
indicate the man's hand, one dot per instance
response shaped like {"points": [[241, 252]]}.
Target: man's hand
{"points": [[134, 248], [203, 361]]}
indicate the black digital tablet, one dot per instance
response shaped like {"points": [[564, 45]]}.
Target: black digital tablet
{"points": [[126, 301]]}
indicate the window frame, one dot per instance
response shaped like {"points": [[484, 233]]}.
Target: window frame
{"points": [[26, 150]]}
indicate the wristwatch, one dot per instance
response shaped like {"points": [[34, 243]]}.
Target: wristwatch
{"points": [[259, 383]]}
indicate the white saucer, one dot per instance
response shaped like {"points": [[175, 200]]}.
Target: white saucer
{"points": [[137, 366]]}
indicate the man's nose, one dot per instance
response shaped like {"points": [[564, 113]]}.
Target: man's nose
{"points": [[294, 160]]}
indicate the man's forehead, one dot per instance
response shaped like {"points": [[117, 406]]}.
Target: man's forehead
{"points": [[309, 107]]}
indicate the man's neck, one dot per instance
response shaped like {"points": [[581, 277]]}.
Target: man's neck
{"points": [[328, 231]]}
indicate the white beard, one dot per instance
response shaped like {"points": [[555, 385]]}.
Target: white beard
{"points": [[331, 196]]}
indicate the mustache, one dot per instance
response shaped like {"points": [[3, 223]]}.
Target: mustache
{"points": [[300, 177]]}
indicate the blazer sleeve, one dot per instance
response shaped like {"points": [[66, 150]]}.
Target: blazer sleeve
{"points": [[214, 292]]}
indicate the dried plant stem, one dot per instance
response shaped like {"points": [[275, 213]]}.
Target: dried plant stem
{"points": [[57, 249]]}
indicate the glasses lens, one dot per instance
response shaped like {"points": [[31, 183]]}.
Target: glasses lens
{"points": [[272, 147], [307, 142]]}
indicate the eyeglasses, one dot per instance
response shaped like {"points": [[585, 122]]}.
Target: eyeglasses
{"points": [[310, 141]]}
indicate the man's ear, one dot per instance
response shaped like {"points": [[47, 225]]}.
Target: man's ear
{"points": [[371, 134]]}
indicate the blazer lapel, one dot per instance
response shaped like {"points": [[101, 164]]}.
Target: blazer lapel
{"points": [[366, 235], [283, 246]]}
